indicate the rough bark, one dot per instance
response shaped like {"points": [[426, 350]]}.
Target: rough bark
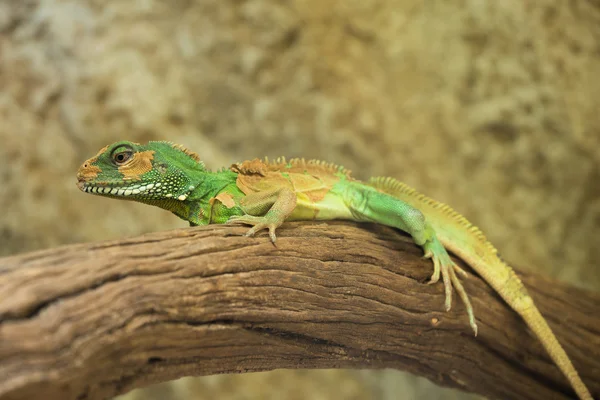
{"points": [[94, 320]]}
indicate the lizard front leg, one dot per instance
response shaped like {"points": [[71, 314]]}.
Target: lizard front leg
{"points": [[266, 210]]}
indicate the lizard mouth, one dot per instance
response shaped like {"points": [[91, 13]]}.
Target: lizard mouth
{"points": [[120, 191]]}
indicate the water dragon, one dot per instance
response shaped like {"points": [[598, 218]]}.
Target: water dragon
{"points": [[264, 194]]}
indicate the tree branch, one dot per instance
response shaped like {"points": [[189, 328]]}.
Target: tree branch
{"points": [[95, 320]]}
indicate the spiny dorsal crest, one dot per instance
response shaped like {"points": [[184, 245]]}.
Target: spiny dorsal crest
{"points": [[194, 156], [394, 187], [311, 166]]}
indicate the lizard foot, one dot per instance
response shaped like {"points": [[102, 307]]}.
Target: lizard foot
{"points": [[436, 268], [444, 266], [258, 224]]}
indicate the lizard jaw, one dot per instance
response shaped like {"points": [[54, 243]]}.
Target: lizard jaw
{"points": [[120, 191]]}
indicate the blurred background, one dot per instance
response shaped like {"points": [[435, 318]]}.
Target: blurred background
{"points": [[490, 106]]}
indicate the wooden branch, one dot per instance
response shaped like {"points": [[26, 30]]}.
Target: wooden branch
{"points": [[95, 320]]}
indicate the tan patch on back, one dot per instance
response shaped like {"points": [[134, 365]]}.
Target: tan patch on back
{"points": [[316, 168], [226, 199], [140, 163], [310, 180], [251, 167]]}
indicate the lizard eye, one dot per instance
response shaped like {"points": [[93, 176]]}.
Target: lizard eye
{"points": [[122, 157]]}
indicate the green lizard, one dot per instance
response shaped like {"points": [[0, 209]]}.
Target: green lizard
{"points": [[264, 194]]}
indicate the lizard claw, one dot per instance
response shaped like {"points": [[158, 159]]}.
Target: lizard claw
{"points": [[459, 270], [258, 224], [436, 267], [259, 227]]}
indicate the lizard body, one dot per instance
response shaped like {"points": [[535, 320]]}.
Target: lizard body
{"points": [[264, 194]]}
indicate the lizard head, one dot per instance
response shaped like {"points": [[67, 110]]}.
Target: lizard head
{"points": [[154, 171]]}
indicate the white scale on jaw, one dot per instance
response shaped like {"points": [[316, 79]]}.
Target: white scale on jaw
{"points": [[151, 188], [183, 196]]}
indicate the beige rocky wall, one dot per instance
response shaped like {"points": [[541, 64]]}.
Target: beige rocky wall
{"points": [[491, 106]]}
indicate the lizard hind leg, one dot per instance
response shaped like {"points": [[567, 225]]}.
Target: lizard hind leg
{"points": [[368, 204]]}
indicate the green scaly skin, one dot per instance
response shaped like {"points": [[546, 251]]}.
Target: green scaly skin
{"points": [[265, 195]]}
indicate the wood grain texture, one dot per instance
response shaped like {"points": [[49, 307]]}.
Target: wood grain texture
{"points": [[94, 320]]}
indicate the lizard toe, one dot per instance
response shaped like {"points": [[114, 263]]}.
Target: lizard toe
{"points": [[244, 219], [435, 277], [272, 233], [460, 271]]}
